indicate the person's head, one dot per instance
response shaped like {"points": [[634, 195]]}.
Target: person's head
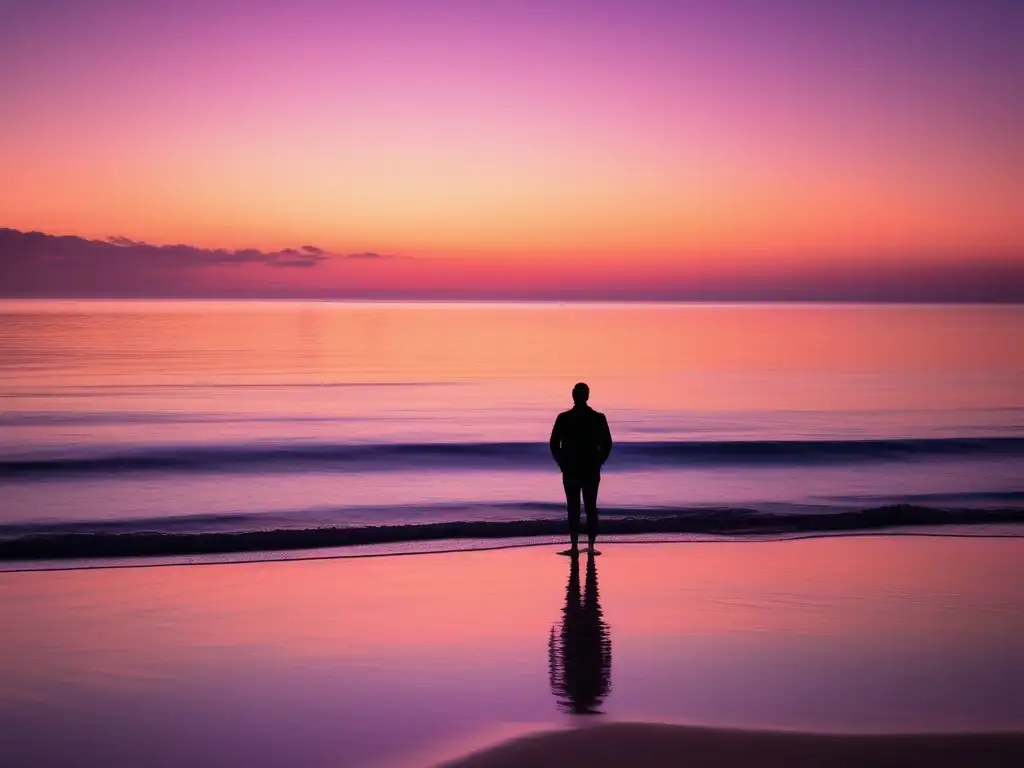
{"points": [[580, 393]]}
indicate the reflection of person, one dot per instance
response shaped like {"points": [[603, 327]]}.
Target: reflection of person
{"points": [[580, 654], [580, 443]]}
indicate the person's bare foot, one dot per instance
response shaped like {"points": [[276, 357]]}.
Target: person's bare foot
{"points": [[571, 552], [592, 551]]}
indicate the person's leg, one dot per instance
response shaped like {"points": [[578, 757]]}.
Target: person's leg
{"points": [[572, 507], [590, 503]]}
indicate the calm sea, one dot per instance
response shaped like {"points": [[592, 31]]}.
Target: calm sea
{"points": [[219, 418]]}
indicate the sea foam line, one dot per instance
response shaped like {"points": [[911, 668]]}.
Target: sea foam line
{"points": [[732, 522]]}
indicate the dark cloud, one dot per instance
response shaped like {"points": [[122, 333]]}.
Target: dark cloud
{"points": [[24, 248], [36, 263], [118, 240], [297, 260], [292, 257], [369, 255]]}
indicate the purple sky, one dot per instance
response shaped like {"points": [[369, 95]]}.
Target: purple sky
{"points": [[655, 143]]}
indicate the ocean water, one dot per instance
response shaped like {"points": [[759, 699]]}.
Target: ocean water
{"points": [[203, 423]]}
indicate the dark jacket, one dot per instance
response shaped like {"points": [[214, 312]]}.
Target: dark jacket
{"points": [[581, 441]]}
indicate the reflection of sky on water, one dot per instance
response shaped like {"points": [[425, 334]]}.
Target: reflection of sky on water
{"points": [[377, 659]]}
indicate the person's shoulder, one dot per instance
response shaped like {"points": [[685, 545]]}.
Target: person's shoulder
{"points": [[563, 415], [597, 415]]}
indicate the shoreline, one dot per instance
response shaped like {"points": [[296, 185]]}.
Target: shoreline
{"points": [[712, 522], [611, 745], [459, 545]]}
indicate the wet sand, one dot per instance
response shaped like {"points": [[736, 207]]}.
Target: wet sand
{"points": [[409, 661]]}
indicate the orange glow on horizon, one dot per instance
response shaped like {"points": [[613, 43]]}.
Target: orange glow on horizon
{"points": [[660, 142]]}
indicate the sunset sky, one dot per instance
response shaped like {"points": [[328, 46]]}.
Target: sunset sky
{"points": [[608, 149]]}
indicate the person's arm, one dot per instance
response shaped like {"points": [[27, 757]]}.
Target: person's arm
{"points": [[556, 442], [606, 440]]}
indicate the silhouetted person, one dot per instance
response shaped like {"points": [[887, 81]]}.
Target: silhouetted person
{"points": [[580, 654], [580, 443]]}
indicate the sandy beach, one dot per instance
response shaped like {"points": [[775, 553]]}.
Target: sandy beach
{"points": [[637, 745]]}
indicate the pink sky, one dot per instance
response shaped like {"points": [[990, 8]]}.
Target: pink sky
{"points": [[682, 144]]}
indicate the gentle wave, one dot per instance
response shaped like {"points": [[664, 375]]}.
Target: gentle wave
{"points": [[727, 522], [356, 516], [317, 517], [500, 455]]}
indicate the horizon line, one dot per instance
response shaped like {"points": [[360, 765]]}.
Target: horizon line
{"points": [[501, 300]]}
